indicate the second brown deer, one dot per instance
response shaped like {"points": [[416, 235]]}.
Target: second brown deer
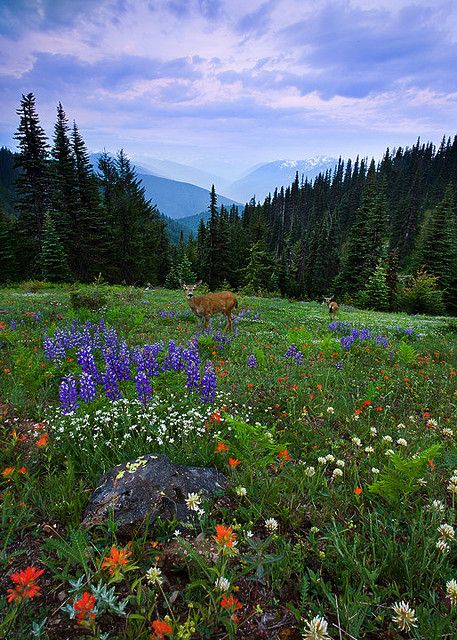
{"points": [[332, 306], [210, 304]]}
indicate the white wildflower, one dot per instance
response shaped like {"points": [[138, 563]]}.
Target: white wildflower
{"points": [[387, 438], [446, 532], [176, 533], [389, 452], [154, 575], [309, 471], [222, 584], [241, 491], [330, 410], [374, 470], [438, 505], [422, 482], [448, 433], [357, 441], [451, 591], [404, 616], [193, 501], [329, 458], [322, 460], [442, 546], [271, 524], [337, 473], [401, 426], [369, 449], [402, 442], [316, 629], [373, 431], [340, 463]]}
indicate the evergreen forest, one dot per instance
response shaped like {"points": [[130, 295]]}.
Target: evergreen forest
{"points": [[379, 235]]}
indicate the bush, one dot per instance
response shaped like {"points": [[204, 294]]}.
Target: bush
{"points": [[422, 295], [33, 286], [89, 298]]}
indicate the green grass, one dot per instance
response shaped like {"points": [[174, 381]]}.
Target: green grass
{"points": [[370, 435]]}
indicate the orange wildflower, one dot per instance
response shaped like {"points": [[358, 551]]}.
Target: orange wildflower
{"points": [[6, 473], [229, 602], [25, 582], [220, 447], [233, 463], [358, 491], [84, 608], [42, 441], [284, 455], [161, 629], [22, 470], [431, 464], [116, 559], [224, 535], [216, 416]]}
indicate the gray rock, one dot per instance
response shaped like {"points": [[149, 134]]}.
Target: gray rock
{"points": [[149, 487]]}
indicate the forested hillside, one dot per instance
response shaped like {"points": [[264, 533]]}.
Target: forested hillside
{"points": [[381, 235]]}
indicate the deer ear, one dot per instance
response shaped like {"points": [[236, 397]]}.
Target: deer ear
{"points": [[181, 283], [197, 284]]}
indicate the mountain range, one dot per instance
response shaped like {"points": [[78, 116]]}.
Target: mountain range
{"points": [[167, 185]]}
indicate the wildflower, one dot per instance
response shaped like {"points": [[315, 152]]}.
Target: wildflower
{"points": [[404, 616], [161, 629], [193, 501], [316, 629], [442, 546], [241, 491], [84, 608], [25, 582], [330, 410], [322, 460], [448, 433], [369, 449], [222, 584], [229, 602], [154, 575], [446, 532], [337, 473], [389, 452], [22, 470], [8, 472], [271, 524], [357, 441], [438, 505], [358, 491], [373, 431], [284, 455], [451, 591], [401, 426], [329, 458], [42, 441], [116, 559], [309, 471], [252, 361], [208, 384], [402, 442], [225, 536], [233, 463], [220, 447], [374, 470], [387, 438], [340, 463]]}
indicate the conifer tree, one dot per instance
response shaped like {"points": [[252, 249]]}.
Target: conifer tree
{"points": [[7, 255], [53, 260], [33, 186]]}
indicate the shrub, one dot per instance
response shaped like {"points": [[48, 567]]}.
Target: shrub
{"points": [[89, 298], [422, 295]]}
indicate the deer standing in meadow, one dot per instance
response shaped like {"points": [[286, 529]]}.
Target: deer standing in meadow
{"points": [[207, 306], [332, 306]]}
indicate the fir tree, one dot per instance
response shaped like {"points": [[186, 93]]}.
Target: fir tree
{"points": [[33, 185], [53, 260]]}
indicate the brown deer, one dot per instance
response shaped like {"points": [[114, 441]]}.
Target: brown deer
{"points": [[332, 306], [207, 306]]}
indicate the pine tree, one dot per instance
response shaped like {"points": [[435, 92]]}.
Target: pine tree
{"points": [[259, 269], [375, 294], [439, 250], [7, 254], [94, 231], [53, 260], [33, 186]]}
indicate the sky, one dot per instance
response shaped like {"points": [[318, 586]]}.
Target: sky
{"points": [[222, 85]]}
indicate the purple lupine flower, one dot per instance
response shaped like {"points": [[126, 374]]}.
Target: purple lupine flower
{"points": [[252, 361], [192, 369], [109, 379], [347, 341], [13, 324], [338, 365], [122, 361], [150, 353], [208, 384], [143, 387], [87, 388], [86, 359], [381, 340], [68, 395], [293, 352]]}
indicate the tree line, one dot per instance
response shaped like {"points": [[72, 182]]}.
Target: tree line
{"points": [[382, 235]]}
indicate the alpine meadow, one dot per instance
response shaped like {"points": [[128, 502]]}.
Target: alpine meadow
{"points": [[227, 417]]}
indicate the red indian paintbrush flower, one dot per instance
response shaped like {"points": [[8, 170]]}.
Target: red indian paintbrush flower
{"points": [[84, 608], [225, 536], [229, 602], [25, 582], [116, 559], [161, 629]]}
